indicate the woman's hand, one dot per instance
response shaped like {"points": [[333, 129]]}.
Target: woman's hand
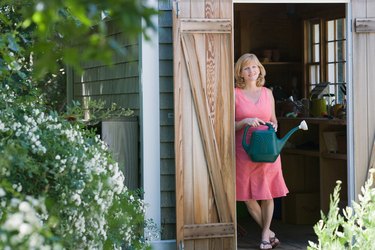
{"points": [[274, 125], [254, 122]]}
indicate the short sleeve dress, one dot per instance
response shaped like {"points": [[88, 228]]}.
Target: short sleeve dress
{"points": [[254, 180]]}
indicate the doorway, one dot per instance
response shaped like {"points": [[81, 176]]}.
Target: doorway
{"points": [[301, 47]]}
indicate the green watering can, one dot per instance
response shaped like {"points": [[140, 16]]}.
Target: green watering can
{"points": [[264, 145]]}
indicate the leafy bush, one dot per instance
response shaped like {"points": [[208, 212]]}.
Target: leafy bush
{"points": [[59, 185], [354, 228]]}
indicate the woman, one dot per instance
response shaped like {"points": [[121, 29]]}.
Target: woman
{"points": [[257, 183]]}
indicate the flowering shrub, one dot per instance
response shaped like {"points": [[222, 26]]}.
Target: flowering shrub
{"points": [[59, 184], [21, 222], [354, 228]]}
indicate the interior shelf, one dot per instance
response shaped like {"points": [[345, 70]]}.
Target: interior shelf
{"points": [[336, 156], [311, 153], [314, 153], [281, 63]]}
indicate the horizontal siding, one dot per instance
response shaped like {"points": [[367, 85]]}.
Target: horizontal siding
{"points": [[166, 135], [168, 184], [166, 120], [166, 100], [167, 167], [168, 229], [166, 68], [165, 35], [169, 214], [166, 84], [165, 5], [167, 150], [131, 53], [166, 52], [116, 86], [167, 162], [165, 18], [104, 73], [116, 83]]}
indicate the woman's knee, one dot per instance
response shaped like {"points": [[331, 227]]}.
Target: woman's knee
{"points": [[252, 204], [267, 202]]}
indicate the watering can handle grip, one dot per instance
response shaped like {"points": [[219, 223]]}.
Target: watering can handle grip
{"points": [[269, 125]]}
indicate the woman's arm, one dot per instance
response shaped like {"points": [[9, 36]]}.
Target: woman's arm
{"points": [[273, 115]]}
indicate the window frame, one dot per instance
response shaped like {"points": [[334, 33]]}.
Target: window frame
{"points": [[323, 63]]}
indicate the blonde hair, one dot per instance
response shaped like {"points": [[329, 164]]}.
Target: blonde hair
{"points": [[243, 61]]}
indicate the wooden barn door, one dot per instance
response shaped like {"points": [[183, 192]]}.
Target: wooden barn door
{"points": [[204, 124]]}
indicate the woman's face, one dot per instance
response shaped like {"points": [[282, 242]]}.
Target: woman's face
{"points": [[250, 72]]}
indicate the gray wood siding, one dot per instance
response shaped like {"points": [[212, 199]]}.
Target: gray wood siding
{"points": [[363, 92], [167, 163], [118, 82]]}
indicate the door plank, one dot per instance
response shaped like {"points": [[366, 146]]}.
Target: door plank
{"points": [[200, 25], [212, 230], [206, 127]]}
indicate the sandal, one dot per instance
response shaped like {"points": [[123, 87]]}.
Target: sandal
{"points": [[265, 245], [274, 241]]}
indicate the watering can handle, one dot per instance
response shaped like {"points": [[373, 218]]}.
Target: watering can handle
{"points": [[244, 144], [270, 126]]}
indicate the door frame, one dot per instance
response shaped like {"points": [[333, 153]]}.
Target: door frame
{"points": [[349, 76]]}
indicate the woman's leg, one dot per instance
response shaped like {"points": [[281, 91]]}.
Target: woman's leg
{"points": [[255, 211], [267, 207]]}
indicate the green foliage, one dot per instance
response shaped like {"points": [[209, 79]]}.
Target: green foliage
{"points": [[67, 32], [40, 38], [354, 228], [96, 111]]}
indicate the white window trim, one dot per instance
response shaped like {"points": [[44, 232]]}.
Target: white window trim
{"points": [[150, 120]]}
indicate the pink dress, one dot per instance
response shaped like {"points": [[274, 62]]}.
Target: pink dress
{"points": [[256, 180]]}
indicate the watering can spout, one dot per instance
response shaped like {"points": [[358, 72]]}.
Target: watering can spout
{"points": [[281, 142]]}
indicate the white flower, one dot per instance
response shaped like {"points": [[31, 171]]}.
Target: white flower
{"points": [[2, 192], [13, 222], [39, 6], [77, 199], [24, 207], [25, 229], [2, 126], [17, 187]]}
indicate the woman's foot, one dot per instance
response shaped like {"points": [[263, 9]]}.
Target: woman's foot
{"points": [[265, 245], [274, 241]]}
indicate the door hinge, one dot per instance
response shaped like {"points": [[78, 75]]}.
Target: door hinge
{"points": [[177, 8], [181, 245]]}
